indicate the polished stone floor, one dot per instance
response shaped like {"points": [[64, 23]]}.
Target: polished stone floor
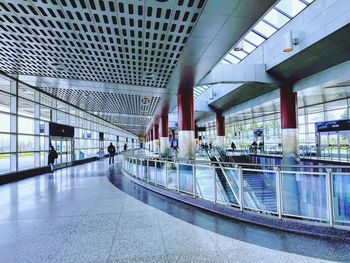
{"points": [[78, 215]]}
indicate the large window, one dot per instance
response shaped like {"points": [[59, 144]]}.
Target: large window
{"points": [[240, 126], [25, 114]]}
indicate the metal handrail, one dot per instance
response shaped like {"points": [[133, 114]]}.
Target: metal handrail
{"points": [[194, 161]]}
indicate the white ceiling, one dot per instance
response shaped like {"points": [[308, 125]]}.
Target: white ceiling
{"points": [[108, 57], [126, 42]]}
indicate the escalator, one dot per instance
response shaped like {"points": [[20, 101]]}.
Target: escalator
{"points": [[264, 193], [224, 182], [257, 186]]}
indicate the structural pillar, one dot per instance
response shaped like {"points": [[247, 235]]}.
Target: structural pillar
{"points": [[156, 138], [186, 124], [289, 105], [164, 136], [220, 130], [291, 182], [151, 140]]}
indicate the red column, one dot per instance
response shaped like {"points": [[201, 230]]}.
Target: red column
{"points": [[289, 105], [185, 110], [156, 132], [186, 123], [164, 136], [220, 124], [163, 126]]}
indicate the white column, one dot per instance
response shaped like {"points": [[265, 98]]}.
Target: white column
{"points": [[156, 146], [290, 146], [187, 145], [164, 145]]}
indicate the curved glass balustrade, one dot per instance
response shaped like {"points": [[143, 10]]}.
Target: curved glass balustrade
{"points": [[312, 193]]}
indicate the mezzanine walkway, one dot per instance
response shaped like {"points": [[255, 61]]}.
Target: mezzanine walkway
{"points": [[77, 215]]}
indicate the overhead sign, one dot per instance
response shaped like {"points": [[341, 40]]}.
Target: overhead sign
{"points": [[61, 130], [200, 129], [258, 132], [338, 125]]}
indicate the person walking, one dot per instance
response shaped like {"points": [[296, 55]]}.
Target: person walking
{"points": [[254, 147], [111, 151], [233, 146], [51, 158], [125, 147], [261, 147]]}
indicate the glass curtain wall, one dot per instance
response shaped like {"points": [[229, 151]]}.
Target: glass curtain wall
{"points": [[25, 114], [240, 127]]}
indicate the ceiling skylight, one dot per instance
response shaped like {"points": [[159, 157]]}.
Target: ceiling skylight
{"points": [[277, 17]]}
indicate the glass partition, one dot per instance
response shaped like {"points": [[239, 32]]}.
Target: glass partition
{"points": [[304, 194], [186, 178], [171, 173], [309, 193], [259, 190], [341, 198]]}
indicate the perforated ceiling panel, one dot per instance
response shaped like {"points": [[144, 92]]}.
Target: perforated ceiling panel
{"points": [[135, 124], [107, 102], [131, 112], [120, 41]]}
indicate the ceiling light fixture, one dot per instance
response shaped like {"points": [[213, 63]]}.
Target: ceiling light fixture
{"points": [[239, 46], [289, 41], [57, 66]]}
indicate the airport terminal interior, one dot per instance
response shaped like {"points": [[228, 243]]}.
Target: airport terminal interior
{"points": [[174, 131]]}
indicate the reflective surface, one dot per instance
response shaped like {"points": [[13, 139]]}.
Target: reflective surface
{"points": [[77, 215]]}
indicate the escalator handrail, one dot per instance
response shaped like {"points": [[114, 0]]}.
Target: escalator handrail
{"points": [[219, 186], [226, 178]]}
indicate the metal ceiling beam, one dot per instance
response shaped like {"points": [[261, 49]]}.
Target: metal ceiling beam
{"points": [[218, 29], [237, 74]]}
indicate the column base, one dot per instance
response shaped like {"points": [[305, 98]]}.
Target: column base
{"points": [[187, 147], [290, 152], [156, 146], [164, 146]]}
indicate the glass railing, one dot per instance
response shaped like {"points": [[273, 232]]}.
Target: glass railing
{"points": [[339, 153], [310, 193]]}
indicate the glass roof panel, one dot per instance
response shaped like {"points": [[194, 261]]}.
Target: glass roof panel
{"points": [[276, 18], [198, 90], [248, 47], [264, 29], [291, 7], [232, 59], [254, 38], [224, 61], [240, 54]]}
